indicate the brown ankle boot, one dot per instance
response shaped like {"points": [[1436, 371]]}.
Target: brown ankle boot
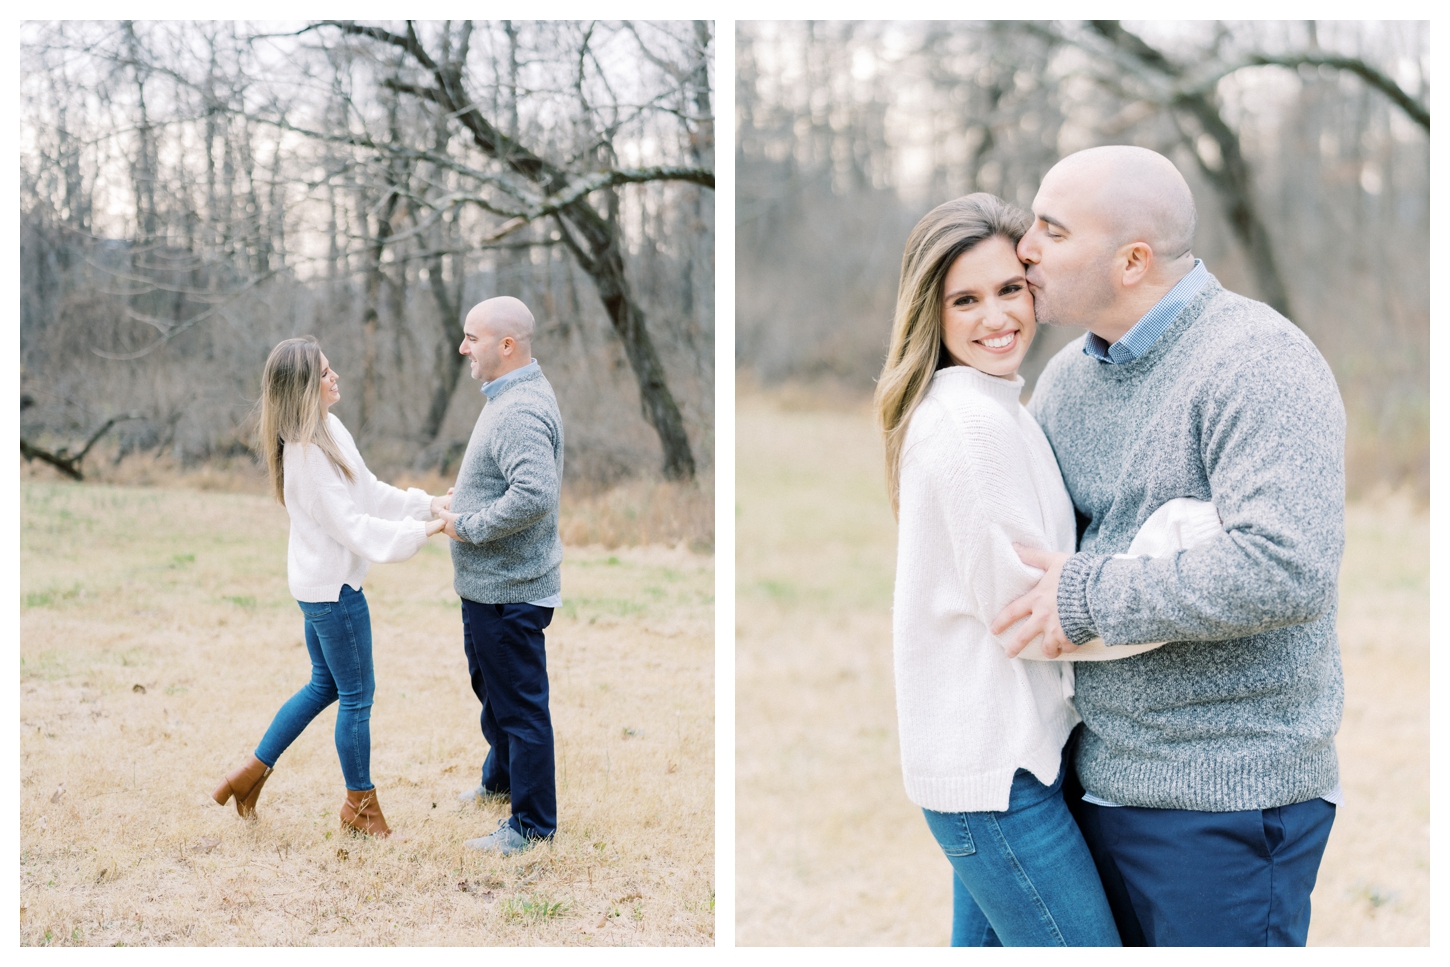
{"points": [[361, 812], [246, 784]]}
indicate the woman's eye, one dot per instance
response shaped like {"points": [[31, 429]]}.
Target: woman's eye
{"points": [[965, 300], [1009, 289]]}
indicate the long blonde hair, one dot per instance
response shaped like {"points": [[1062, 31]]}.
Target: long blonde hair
{"points": [[916, 351], [290, 408]]}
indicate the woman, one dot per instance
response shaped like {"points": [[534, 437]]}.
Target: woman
{"points": [[342, 517], [969, 473]]}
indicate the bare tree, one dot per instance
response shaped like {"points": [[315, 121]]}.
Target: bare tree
{"points": [[194, 192], [556, 191]]}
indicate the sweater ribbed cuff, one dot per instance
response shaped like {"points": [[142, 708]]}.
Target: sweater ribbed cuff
{"points": [[1072, 604]]}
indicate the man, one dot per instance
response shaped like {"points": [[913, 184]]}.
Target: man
{"points": [[504, 521], [1208, 765]]}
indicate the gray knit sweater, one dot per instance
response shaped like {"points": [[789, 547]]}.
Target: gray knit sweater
{"points": [[507, 494], [1233, 405]]}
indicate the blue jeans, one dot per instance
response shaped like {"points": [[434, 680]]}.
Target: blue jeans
{"points": [[340, 643], [1024, 877], [504, 644]]}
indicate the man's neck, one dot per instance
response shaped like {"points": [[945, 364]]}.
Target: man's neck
{"points": [[515, 367], [1135, 305]]}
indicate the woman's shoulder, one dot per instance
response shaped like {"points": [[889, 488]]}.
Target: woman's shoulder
{"points": [[310, 455], [960, 438], [956, 404], [338, 429]]}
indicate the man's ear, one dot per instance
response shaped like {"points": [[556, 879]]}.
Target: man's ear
{"points": [[1137, 262], [506, 345]]}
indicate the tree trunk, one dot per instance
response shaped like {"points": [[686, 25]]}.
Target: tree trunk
{"points": [[1231, 177], [448, 363], [376, 246], [594, 242], [1234, 183]]}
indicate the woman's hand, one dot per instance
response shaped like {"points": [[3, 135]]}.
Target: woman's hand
{"points": [[437, 505], [433, 526]]}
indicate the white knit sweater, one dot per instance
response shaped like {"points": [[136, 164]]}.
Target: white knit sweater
{"points": [[977, 474], [338, 526]]}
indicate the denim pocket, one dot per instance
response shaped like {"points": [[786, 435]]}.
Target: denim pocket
{"points": [[316, 609], [951, 831]]}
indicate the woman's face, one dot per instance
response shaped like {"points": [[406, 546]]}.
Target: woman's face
{"points": [[330, 395], [986, 313]]}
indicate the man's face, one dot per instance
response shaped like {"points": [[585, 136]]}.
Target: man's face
{"points": [[1068, 252], [482, 347]]}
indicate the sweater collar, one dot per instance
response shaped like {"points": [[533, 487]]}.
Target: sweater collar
{"points": [[1000, 388], [1186, 317], [496, 386]]}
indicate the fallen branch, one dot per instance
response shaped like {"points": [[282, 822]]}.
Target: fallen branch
{"points": [[62, 459]]}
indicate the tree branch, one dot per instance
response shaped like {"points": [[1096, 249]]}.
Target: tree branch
{"points": [[1370, 75], [603, 179]]}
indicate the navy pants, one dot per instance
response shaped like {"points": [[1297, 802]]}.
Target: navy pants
{"points": [[1183, 878], [505, 648]]}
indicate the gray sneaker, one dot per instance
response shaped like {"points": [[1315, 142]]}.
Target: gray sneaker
{"points": [[480, 793], [505, 841]]}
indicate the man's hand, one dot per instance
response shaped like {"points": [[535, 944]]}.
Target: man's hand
{"points": [[1038, 606], [448, 520], [438, 505]]}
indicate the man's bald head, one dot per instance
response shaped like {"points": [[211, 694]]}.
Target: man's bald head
{"points": [[1112, 232], [503, 316], [498, 335], [1138, 192]]}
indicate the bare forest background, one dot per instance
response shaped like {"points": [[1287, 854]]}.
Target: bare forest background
{"points": [[1306, 145], [193, 193]]}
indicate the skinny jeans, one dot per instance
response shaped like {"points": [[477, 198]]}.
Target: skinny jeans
{"points": [[339, 639], [1023, 876]]}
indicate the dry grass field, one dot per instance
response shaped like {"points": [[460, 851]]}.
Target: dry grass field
{"points": [[157, 640], [829, 850]]}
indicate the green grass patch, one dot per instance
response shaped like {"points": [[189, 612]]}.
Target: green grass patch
{"points": [[47, 666], [532, 909], [52, 596], [592, 608]]}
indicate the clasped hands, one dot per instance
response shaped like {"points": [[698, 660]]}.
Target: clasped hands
{"points": [[439, 507], [1038, 606]]}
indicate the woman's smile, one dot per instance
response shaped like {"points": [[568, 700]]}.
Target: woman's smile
{"points": [[1004, 343], [986, 314]]}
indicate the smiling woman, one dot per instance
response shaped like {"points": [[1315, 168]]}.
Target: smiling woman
{"points": [[987, 320], [918, 341], [971, 475], [342, 519]]}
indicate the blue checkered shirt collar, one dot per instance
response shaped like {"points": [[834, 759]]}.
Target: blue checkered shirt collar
{"points": [[1147, 330], [495, 386]]}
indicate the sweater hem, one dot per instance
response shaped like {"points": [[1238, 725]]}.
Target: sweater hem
{"points": [[1207, 784], [991, 790], [327, 593], [518, 592]]}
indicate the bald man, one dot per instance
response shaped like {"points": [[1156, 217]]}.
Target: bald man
{"points": [[504, 521], [1207, 767]]}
